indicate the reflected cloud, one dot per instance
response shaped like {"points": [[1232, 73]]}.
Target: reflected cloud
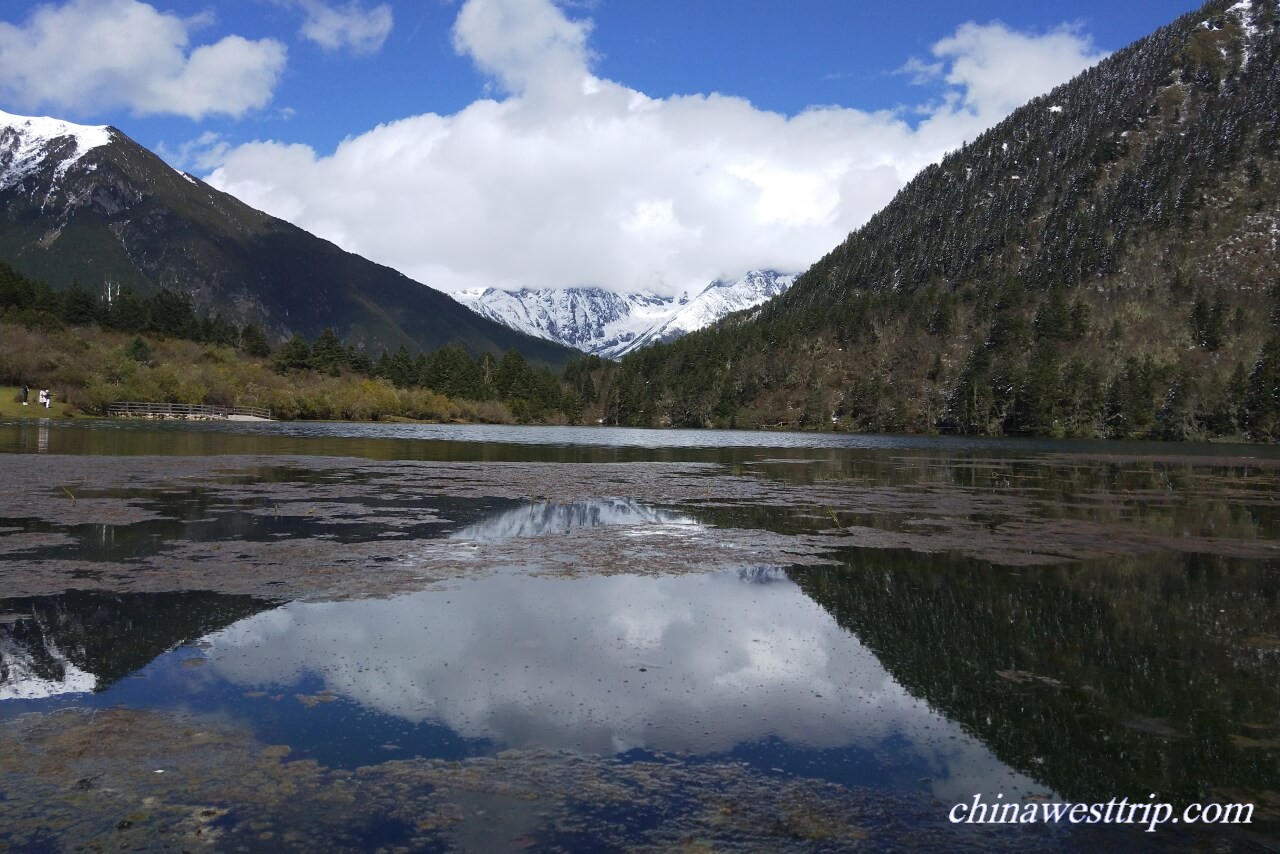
{"points": [[696, 664]]}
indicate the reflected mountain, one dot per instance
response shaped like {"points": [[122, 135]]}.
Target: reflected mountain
{"points": [[556, 519], [86, 641], [1133, 676], [700, 664], [33, 667]]}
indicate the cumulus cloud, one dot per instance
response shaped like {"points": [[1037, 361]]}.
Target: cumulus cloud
{"points": [[525, 44], [572, 179], [90, 55], [204, 152], [349, 27], [998, 69], [560, 663]]}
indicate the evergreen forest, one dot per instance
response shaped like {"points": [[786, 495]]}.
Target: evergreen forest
{"points": [[1103, 263]]}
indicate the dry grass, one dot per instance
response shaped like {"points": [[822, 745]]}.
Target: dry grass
{"points": [[88, 367]]}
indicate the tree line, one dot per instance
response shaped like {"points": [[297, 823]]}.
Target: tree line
{"points": [[529, 393]]}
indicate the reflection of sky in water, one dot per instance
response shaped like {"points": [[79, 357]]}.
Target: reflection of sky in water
{"points": [[696, 664], [552, 518]]}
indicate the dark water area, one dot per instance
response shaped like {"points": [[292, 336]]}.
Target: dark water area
{"points": [[364, 637]]}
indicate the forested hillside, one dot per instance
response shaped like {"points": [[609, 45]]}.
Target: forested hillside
{"points": [[91, 352], [1101, 263], [89, 205]]}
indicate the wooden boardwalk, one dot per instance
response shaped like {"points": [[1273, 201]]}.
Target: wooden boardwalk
{"points": [[187, 411]]}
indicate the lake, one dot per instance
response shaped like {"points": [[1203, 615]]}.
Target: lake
{"points": [[303, 636]]}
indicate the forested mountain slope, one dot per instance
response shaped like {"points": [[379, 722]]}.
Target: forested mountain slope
{"points": [[1101, 263], [89, 205]]}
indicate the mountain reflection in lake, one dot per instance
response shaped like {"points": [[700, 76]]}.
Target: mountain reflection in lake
{"points": [[552, 518], [378, 637], [693, 664]]}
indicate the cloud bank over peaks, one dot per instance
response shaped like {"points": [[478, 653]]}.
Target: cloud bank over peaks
{"points": [[572, 179], [84, 56]]}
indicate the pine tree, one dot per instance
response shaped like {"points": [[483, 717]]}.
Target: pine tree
{"points": [[79, 307], [328, 354], [170, 313], [126, 312], [253, 341], [140, 351], [293, 355], [1262, 404]]}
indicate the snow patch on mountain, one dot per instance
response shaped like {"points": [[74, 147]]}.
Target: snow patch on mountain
{"points": [[591, 319], [717, 300], [611, 325], [28, 143]]}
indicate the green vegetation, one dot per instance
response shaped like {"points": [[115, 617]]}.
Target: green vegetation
{"points": [[124, 218], [1100, 264], [1106, 676], [11, 404], [91, 353]]}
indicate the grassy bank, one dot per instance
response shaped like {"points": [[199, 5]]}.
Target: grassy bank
{"points": [[88, 367], [11, 407]]}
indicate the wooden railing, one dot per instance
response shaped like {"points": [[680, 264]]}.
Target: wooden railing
{"points": [[194, 411]]}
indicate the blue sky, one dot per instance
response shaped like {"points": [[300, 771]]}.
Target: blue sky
{"points": [[580, 137]]}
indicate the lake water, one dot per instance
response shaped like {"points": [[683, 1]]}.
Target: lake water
{"points": [[361, 636]]}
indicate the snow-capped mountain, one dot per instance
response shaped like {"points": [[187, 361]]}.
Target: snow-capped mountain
{"points": [[611, 325], [30, 145], [591, 319], [716, 300], [87, 204]]}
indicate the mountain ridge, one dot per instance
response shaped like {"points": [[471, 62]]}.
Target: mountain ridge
{"points": [[88, 204], [1103, 262], [611, 325]]}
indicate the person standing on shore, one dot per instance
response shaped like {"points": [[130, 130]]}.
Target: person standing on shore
{"points": [[26, 392]]}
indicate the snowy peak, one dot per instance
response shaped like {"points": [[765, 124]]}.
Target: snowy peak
{"points": [[29, 145], [591, 319], [611, 325], [722, 298]]}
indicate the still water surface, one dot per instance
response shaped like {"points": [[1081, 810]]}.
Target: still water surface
{"points": [[625, 638]]}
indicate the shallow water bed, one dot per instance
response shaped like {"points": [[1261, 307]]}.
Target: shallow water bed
{"points": [[780, 648]]}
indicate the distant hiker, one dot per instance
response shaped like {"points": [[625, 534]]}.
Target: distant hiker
{"points": [[45, 397], [26, 392]]}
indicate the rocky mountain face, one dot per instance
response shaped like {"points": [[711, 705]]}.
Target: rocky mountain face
{"points": [[88, 204], [612, 325], [1104, 262]]}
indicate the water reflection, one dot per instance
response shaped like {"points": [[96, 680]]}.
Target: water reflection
{"points": [[85, 642], [456, 442], [1133, 675], [693, 664], [32, 666], [559, 518]]}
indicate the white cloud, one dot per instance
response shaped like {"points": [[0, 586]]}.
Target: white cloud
{"points": [[606, 665], [573, 179], [351, 27], [526, 44], [92, 55], [204, 152], [998, 69]]}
